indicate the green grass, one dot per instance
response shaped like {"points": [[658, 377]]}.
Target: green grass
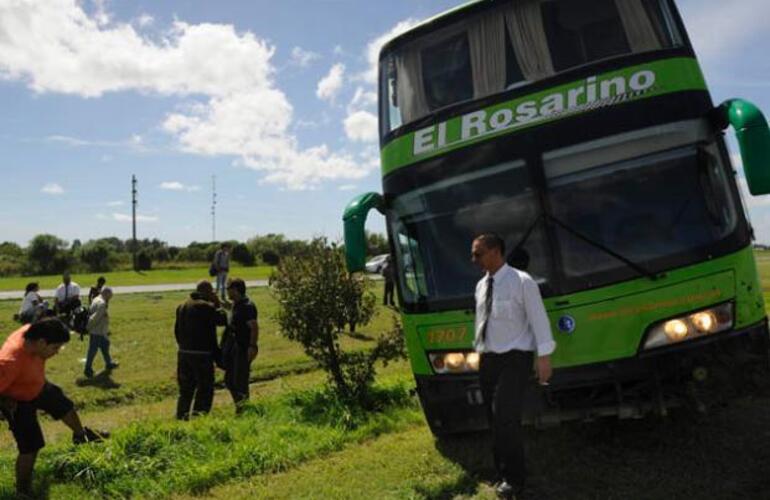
{"points": [[156, 458], [129, 278]]}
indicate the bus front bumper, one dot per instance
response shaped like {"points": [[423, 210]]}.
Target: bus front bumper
{"points": [[654, 381]]}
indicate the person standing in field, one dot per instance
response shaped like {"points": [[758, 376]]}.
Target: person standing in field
{"points": [[511, 327], [222, 266], [388, 273], [96, 289], [98, 328], [67, 297], [24, 390], [239, 343], [195, 330]]}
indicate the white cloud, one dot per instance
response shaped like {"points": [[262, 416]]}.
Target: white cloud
{"points": [[234, 107], [361, 126], [330, 85], [52, 188], [117, 203], [303, 58], [145, 20], [139, 218], [338, 50], [718, 28], [347, 187], [178, 186], [374, 47]]}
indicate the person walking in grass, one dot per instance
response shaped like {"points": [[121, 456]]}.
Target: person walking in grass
{"points": [[239, 343], [24, 390], [511, 327], [222, 266], [98, 328], [195, 330]]}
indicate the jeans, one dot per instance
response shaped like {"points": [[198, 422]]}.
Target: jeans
{"points": [[222, 284], [97, 343], [504, 379], [195, 375]]}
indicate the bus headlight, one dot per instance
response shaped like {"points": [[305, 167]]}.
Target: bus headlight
{"points": [[705, 322], [454, 362]]}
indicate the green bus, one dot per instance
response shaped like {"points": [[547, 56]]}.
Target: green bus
{"points": [[583, 133]]}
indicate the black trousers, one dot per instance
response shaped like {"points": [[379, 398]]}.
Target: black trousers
{"points": [[387, 298], [195, 375], [235, 358], [24, 424], [504, 379]]}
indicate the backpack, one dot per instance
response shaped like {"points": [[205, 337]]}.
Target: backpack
{"points": [[79, 320], [212, 269]]}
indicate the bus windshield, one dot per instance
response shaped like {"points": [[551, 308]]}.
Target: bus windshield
{"points": [[512, 45], [658, 211]]}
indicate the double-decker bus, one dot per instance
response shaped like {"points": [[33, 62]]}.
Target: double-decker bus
{"points": [[583, 133]]}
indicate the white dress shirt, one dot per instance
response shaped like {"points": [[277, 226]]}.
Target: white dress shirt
{"points": [[73, 290], [518, 319]]}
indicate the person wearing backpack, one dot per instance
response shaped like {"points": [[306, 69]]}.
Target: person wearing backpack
{"points": [[98, 332]]}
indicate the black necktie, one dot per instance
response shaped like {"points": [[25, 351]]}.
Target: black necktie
{"points": [[487, 307]]}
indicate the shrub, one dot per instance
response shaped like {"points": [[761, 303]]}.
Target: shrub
{"points": [[98, 256], [271, 258], [143, 260], [316, 297], [243, 255], [47, 254]]}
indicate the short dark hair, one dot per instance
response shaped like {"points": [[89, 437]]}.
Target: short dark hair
{"points": [[204, 286], [52, 330], [238, 284], [30, 287], [101, 279], [491, 241]]}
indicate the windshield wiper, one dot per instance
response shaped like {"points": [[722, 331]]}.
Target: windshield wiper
{"points": [[633, 265]]}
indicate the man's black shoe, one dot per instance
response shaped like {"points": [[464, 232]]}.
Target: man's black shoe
{"points": [[90, 436], [113, 365], [505, 490]]}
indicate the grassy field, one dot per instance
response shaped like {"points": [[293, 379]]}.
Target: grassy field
{"points": [[297, 442], [129, 278]]}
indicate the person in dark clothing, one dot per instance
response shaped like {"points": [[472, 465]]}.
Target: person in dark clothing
{"points": [[97, 289], [239, 343], [196, 337], [388, 273]]}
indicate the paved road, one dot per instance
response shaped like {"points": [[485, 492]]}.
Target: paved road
{"points": [[19, 294]]}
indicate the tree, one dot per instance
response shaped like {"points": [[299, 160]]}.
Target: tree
{"points": [[376, 244], [98, 256], [243, 255], [48, 254], [315, 296]]}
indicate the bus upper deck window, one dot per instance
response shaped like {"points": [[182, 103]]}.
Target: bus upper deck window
{"points": [[446, 72]]}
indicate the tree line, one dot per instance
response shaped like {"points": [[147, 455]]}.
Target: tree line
{"points": [[49, 254]]}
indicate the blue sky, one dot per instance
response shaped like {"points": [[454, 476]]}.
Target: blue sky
{"points": [[274, 98]]}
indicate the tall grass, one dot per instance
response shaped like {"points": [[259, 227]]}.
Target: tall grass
{"points": [[156, 459]]}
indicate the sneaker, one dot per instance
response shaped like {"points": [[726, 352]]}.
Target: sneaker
{"points": [[113, 365], [90, 436], [505, 490]]}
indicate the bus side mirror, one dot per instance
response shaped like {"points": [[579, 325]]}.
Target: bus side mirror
{"points": [[354, 221], [753, 137]]}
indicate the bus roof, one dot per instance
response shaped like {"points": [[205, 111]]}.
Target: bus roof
{"points": [[436, 21]]}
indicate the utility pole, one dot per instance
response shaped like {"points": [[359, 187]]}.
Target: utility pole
{"points": [[213, 208], [133, 219]]}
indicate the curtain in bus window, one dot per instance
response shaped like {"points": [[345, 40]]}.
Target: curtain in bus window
{"points": [[487, 47], [410, 87], [525, 26], [639, 29]]}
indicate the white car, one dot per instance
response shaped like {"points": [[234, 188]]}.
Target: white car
{"points": [[374, 265]]}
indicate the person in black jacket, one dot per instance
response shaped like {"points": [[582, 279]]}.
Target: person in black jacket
{"points": [[196, 336], [239, 343]]}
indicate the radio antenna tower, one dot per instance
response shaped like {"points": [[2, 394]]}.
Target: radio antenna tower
{"points": [[213, 208], [133, 220]]}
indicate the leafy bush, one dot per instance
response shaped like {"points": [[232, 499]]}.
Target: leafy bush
{"points": [[316, 298], [271, 258], [243, 255], [143, 260], [48, 254], [98, 256]]}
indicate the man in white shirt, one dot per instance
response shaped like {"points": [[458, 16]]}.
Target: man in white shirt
{"points": [[511, 327], [67, 296]]}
